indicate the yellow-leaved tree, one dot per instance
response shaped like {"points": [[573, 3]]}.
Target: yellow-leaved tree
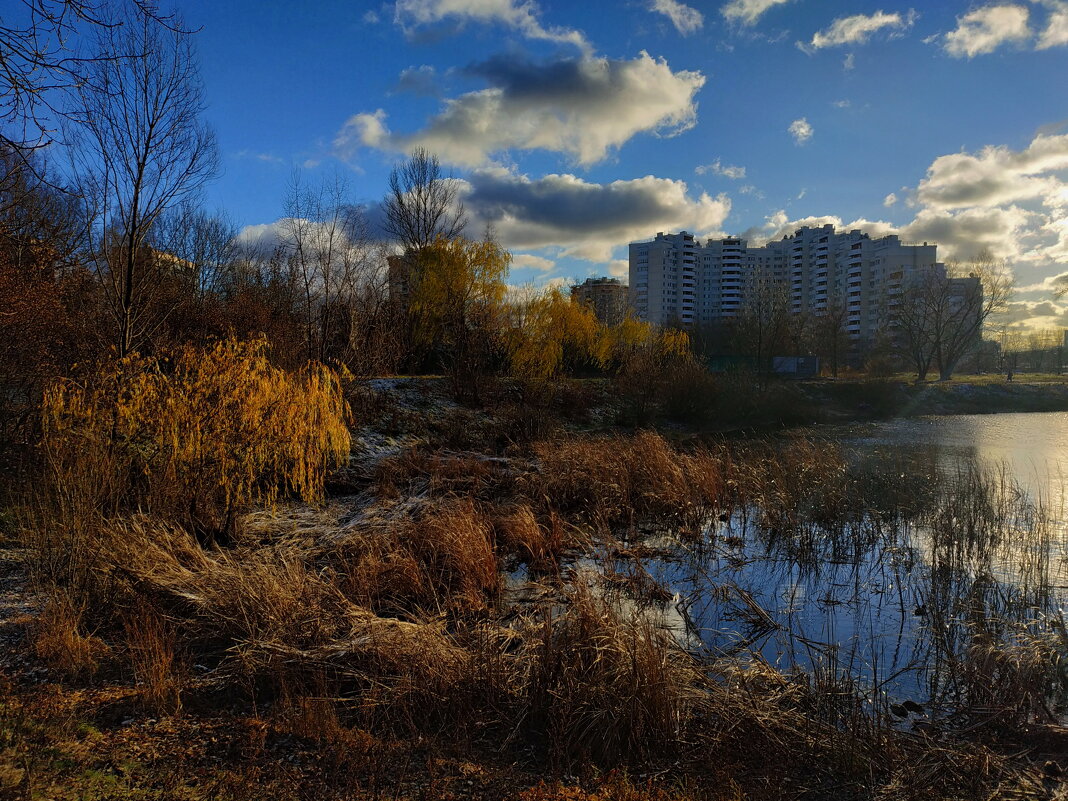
{"points": [[549, 334], [457, 287], [655, 367], [194, 437]]}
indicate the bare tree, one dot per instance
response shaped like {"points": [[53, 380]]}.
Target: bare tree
{"points": [[912, 322], [422, 204], [971, 293], [941, 317], [326, 240], [140, 148], [829, 333], [762, 327], [40, 60]]}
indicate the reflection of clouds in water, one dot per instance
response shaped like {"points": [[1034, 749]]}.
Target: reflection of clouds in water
{"points": [[901, 597]]}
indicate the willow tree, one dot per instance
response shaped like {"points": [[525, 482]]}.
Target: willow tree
{"points": [[455, 305], [549, 335], [195, 437]]}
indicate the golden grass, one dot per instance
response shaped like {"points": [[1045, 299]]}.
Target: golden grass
{"points": [[610, 685], [59, 639], [152, 646]]}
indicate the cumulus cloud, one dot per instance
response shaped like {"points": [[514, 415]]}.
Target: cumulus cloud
{"points": [[748, 12], [581, 107], [519, 15], [962, 236], [685, 19], [996, 175], [890, 200], [968, 233], [857, 29], [583, 219], [1056, 31], [1024, 314], [985, 29], [717, 168], [532, 261], [800, 130]]}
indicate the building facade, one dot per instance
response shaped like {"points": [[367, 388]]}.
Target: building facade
{"points": [[675, 279], [608, 297]]}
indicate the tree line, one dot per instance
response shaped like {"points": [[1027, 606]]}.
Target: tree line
{"points": [[106, 249]]}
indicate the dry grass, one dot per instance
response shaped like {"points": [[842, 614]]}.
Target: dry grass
{"points": [[152, 647], [610, 685], [611, 481], [443, 561], [60, 641], [539, 544]]}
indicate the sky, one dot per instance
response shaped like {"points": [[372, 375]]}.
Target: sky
{"points": [[574, 128]]}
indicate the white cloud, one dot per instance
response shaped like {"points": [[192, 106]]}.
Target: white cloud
{"points": [[685, 19], [800, 130], [520, 15], [857, 29], [371, 17], [583, 219], [849, 62], [985, 29], [967, 233], [959, 236], [539, 263], [1010, 203], [582, 107], [748, 12], [996, 175], [841, 104], [1056, 31], [717, 168]]}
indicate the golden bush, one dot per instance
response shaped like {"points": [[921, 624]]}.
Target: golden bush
{"points": [[195, 437]]}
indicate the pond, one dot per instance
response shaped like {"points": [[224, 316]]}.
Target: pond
{"points": [[946, 556]]}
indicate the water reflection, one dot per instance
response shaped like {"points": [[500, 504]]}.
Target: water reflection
{"points": [[941, 572]]}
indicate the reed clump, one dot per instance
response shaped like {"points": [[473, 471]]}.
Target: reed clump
{"points": [[443, 559], [610, 685], [539, 543], [613, 481]]}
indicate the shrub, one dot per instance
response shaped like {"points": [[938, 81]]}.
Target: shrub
{"points": [[194, 438]]}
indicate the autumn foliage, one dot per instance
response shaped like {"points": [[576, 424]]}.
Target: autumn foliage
{"points": [[198, 436]]}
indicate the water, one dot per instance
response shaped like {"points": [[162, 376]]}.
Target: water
{"points": [[955, 539]]}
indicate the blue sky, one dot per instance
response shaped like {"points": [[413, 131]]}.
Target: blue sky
{"points": [[577, 127]]}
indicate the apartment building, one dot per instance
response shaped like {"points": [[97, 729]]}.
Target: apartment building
{"points": [[606, 296], [674, 278]]}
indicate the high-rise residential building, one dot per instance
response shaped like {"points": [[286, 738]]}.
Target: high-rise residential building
{"points": [[817, 270], [606, 296]]}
